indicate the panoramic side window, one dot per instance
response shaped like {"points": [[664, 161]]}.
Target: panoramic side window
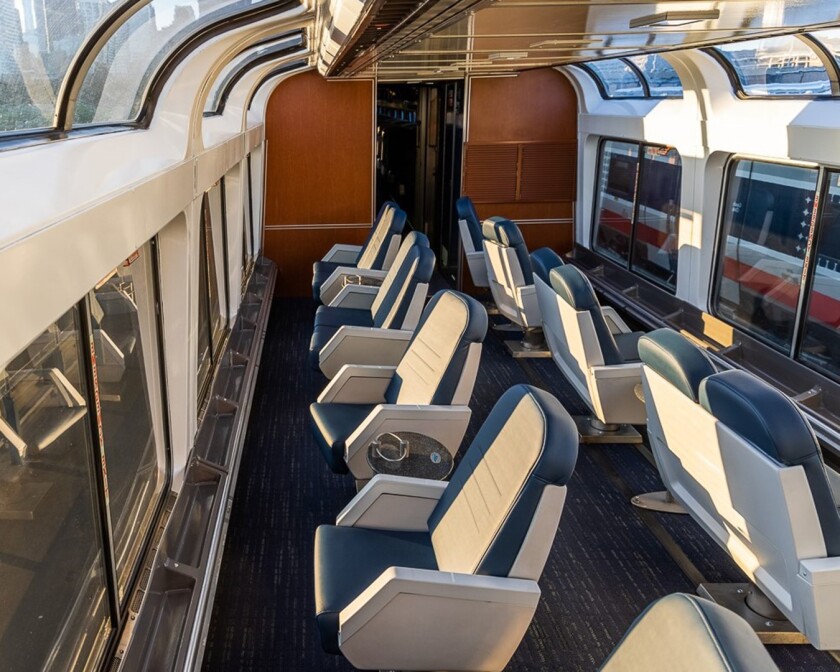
{"points": [[661, 78], [617, 78], [123, 318], [767, 220], [637, 210], [776, 66], [821, 332], [54, 607], [211, 294]]}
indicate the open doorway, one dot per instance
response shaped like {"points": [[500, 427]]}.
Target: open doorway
{"points": [[420, 133]]}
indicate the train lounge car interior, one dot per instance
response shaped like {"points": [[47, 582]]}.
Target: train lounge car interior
{"points": [[465, 335]]}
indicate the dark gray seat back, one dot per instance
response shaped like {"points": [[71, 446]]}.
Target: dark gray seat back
{"points": [[413, 265], [676, 359], [507, 234], [466, 210]]}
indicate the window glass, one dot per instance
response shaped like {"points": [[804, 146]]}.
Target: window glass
{"points": [[124, 330], [662, 79], [777, 66], [211, 324], [616, 198], [821, 335], [830, 39], [37, 43], [618, 79], [242, 61], [655, 244], [114, 88], [52, 574], [767, 220], [248, 224]]}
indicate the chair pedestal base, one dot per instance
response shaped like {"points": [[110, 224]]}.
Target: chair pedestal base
{"points": [[532, 344], [747, 600], [592, 430], [505, 326], [662, 501]]}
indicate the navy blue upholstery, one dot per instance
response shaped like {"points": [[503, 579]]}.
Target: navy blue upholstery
{"points": [[397, 291], [349, 559], [332, 425], [772, 423], [321, 270], [507, 234], [553, 466], [574, 288], [677, 360], [474, 332], [466, 211], [543, 261], [414, 265]]}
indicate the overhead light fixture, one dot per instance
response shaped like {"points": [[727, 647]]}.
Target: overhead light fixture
{"points": [[557, 43], [675, 18]]}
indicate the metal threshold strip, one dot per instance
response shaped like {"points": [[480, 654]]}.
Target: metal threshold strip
{"points": [[171, 625]]}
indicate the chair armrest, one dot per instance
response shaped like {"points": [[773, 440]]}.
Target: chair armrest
{"points": [[343, 254], [612, 390], [363, 346], [529, 308], [420, 619], [334, 284], [833, 482], [358, 385], [393, 503], [819, 590], [630, 370], [445, 424], [614, 321], [355, 296]]}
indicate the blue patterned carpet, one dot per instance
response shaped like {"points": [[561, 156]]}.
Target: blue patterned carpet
{"points": [[606, 565]]}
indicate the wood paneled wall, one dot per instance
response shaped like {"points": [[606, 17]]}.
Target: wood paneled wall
{"points": [[522, 137], [319, 179]]}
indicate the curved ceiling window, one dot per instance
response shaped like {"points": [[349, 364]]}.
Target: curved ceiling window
{"points": [[662, 80], [776, 66], [115, 86], [38, 39], [616, 78], [830, 39], [263, 53]]}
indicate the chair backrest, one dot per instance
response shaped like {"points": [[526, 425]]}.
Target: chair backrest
{"points": [[466, 212], [772, 423], [677, 360], [439, 353], [413, 267], [499, 513], [389, 222], [543, 261], [505, 234], [574, 288], [690, 634]]}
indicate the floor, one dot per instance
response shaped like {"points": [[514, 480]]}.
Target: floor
{"points": [[608, 562]]}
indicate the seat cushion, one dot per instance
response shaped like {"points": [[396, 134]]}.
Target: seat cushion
{"points": [[332, 425], [333, 316], [321, 270], [683, 632], [628, 345], [769, 420], [349, 559], [676, 359], [320, 337]]}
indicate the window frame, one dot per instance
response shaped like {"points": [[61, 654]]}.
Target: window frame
{"points": [[627, 264], [808, 266], [829, 62], [647, 95]]}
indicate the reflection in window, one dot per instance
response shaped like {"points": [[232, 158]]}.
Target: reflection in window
{"points": [[114, 88], [777, 66], [617, 78], [37, 42], [821, 336], [52, 575], [766, 223], [661, 78], [638, 210], [830, 39], [124, 330], [211, 323]]}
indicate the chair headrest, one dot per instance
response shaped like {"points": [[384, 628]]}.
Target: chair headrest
{"points": [[688, 633], [414, 238], [573, 287], [502, 231], [676, 359], [543, 261], [389, 222], [466, 211], [770, 421], [528, 441]]}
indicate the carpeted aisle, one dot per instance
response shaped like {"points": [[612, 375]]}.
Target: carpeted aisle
{"points": [[606, 565]]}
